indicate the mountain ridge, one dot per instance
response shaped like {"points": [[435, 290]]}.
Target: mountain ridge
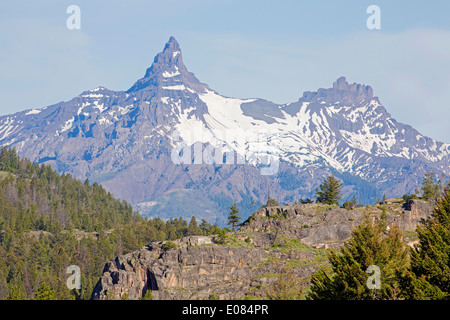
{"points": [[126, 141]]}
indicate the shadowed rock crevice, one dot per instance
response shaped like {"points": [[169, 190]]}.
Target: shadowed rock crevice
{"points": [[152, 284]]}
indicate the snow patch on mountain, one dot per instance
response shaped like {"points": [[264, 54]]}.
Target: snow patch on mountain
{"points": [[100, 107], [33, 111], [176, 87], [67, 125], [92, 95], [168, 74]]}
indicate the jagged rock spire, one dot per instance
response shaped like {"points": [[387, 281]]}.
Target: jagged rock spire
{"points": [[168, 69], [342, 91], [169, 59]]}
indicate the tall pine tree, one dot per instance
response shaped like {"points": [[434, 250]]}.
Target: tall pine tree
{"points": [[430, 260], [330, 191], [233, 217], [193, 228], [430, 187]]}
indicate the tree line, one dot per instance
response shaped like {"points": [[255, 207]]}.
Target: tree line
{"points": [[49, 221], [330, 192]]}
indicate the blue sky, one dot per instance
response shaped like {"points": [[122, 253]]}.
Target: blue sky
{"points": [[267, 49]]}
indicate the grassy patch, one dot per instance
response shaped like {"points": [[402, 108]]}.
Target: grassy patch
{"points": [[235, 240], [270, 259], [287, 245], [290, 264], [292, 245], [322, 208]]}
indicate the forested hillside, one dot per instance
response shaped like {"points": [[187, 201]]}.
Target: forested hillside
{"points": [[50, 221]]}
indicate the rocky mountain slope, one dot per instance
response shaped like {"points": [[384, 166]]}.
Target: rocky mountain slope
{"points": [[273, 240], [172, 146]]}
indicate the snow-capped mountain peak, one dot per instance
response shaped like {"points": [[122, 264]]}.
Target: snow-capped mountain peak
{"points": [[126, 139], [168, 70]]}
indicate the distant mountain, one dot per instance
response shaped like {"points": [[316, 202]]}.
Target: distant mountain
{"points": [[173, 147]]}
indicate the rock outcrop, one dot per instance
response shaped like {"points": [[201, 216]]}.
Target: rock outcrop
{"points": [[272, 239], [328, 226], [196, 269]]}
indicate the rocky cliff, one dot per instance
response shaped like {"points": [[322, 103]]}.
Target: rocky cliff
{"points": [[196, 269], [328, 226], [272, 240]]}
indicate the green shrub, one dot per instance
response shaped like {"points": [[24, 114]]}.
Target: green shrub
{"points": [[221, 236], [169, 245], [407, 197], [148, 295]]}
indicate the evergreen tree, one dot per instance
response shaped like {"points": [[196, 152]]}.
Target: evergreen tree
{"points": [[271, 202], [193, 228], [44, 292], [206, 227], [330, 191], [221, 235], [15, 294], [366, 247], [430, 260], [148, 295], [46, 220], [430, 187], [233, 217], [287, 287]]}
